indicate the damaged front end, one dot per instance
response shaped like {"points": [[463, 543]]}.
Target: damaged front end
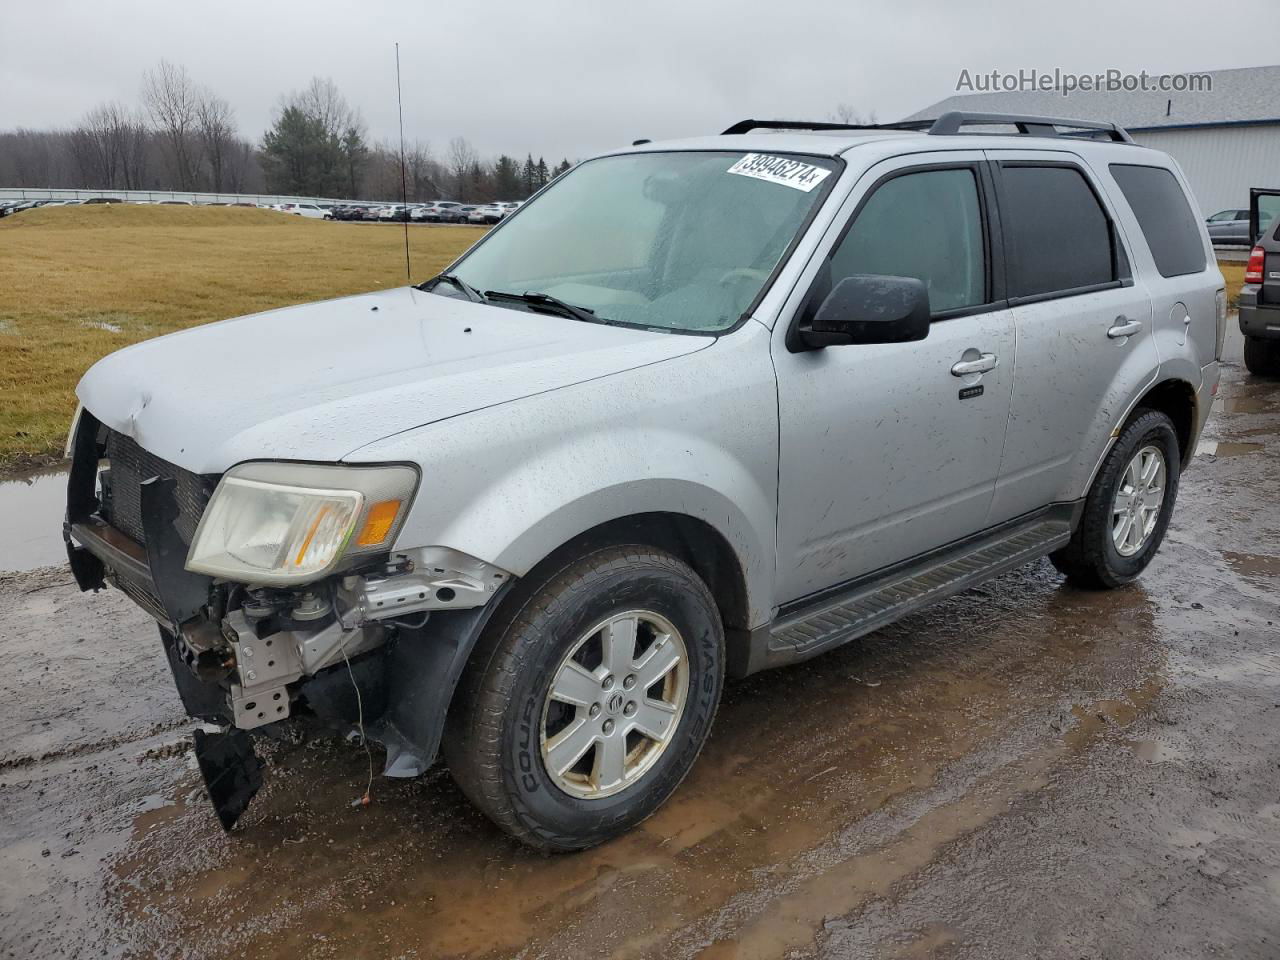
{"points": [[378, 641]]}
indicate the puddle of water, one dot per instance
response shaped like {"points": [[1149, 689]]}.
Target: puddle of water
{"points": [[1216, 448], [1253, 565], [31, 511], [1263, 404], [1156, 751]]}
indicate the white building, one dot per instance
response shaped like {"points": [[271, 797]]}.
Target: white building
{"points": [[1226, 139]]}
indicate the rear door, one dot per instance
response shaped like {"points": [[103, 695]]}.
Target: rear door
{"points": [[1083, 327]]}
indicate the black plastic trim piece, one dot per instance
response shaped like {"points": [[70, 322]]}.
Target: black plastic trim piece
{"points": [[834, 616], [746, 126], [1067, 511]]}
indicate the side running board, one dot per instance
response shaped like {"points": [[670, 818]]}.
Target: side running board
{"points": [[879, 600]]}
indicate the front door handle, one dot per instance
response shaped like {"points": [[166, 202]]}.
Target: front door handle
{"points": [[984, 364], [1124, 327]]}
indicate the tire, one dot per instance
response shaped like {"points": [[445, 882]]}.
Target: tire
{"points": [[505, 722], [1262, 357], [1092, 559]]}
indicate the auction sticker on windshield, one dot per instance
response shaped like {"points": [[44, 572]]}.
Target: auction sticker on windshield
{"points": [[789, 173]]}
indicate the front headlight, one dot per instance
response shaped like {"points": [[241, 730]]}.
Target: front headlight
{"points": [[280, 524]]}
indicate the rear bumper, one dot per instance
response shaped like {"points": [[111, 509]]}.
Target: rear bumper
{"points": [[1261, 321]]}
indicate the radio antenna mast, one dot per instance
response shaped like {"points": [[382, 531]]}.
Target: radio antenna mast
{"points": [[404, 187]]}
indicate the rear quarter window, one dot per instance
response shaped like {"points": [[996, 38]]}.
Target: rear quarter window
{"points": [[1165, 216]]}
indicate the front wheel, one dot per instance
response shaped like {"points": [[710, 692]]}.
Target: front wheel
{"points": [[584, 707], [1128, 507]]}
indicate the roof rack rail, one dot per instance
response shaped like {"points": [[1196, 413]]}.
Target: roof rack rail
{"points": [[952, 123], [746, 126]]}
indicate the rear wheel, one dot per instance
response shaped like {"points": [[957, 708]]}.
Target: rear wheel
{"points": [[1128, 507], [584, 707], [1262, 357]]}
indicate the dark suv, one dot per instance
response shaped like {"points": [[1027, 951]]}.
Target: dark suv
{"points": [[1260, 295]]}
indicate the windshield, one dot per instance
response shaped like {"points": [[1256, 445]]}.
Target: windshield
{"points": [[680, 241]]}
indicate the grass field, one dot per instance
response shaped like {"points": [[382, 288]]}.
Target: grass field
{"points": [[80, 282]]}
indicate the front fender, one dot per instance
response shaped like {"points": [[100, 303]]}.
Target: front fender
{"points": [[510, 484]]}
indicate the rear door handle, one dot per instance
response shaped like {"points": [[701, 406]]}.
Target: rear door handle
{"points": [[984, 364], [1124, 327]]}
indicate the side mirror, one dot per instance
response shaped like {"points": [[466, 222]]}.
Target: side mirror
{"points": [[865, 308]]}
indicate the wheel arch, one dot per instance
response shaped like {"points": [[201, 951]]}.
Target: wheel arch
{"points": [[1176, 399], [705, 549]]}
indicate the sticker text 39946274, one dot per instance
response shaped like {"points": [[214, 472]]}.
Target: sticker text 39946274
{"points": [[789, 173]]}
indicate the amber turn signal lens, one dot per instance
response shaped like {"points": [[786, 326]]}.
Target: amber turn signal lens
{"points": [[382, 516]]}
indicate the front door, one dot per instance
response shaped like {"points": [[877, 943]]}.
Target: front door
{"points": [[890, 450]]}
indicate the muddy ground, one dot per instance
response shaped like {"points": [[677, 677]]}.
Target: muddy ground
{"points": [[1025, 771]]}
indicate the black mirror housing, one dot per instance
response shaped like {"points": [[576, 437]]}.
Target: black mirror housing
{"points": [[867, 308]]}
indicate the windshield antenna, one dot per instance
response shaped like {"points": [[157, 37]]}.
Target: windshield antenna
{"points": [[404, 189]]}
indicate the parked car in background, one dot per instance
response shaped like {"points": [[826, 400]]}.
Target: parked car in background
{"points": [[485, 213], [118, 200], [510, 207], [1229, 227], [395, 212], [459, 213], [309, 210], [1259, 299], [436, 210]]}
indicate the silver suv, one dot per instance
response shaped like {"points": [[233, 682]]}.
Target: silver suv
{"points": [[699, 409]]}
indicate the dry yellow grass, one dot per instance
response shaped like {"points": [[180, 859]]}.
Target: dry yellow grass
{"points": [[1233, 273], [81, 282]]}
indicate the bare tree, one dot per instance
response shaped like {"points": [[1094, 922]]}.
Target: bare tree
{"points": [[173, 101], [461, 160], [216, 130], [109, 148], [422, 172], [848, 114]]}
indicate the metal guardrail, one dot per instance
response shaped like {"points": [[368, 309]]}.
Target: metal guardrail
{"points": [[32, 193]]}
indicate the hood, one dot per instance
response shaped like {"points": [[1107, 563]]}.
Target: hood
{"points": [[320, 380]]}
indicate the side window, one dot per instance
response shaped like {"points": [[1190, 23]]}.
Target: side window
{"points": [[1057, 234], [1165, 216], [926, 225]]}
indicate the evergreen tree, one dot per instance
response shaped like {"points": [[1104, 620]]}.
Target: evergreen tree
{"points": [[296, 155], [507, 182], [543, 175], [477, 187], [563, 168], [529, 176]]}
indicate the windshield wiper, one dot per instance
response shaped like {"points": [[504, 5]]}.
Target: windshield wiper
{"points": [[546, 300], [472, 294]]}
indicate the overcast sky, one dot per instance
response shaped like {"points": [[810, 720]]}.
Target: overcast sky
{"points": [[564, 78]]}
